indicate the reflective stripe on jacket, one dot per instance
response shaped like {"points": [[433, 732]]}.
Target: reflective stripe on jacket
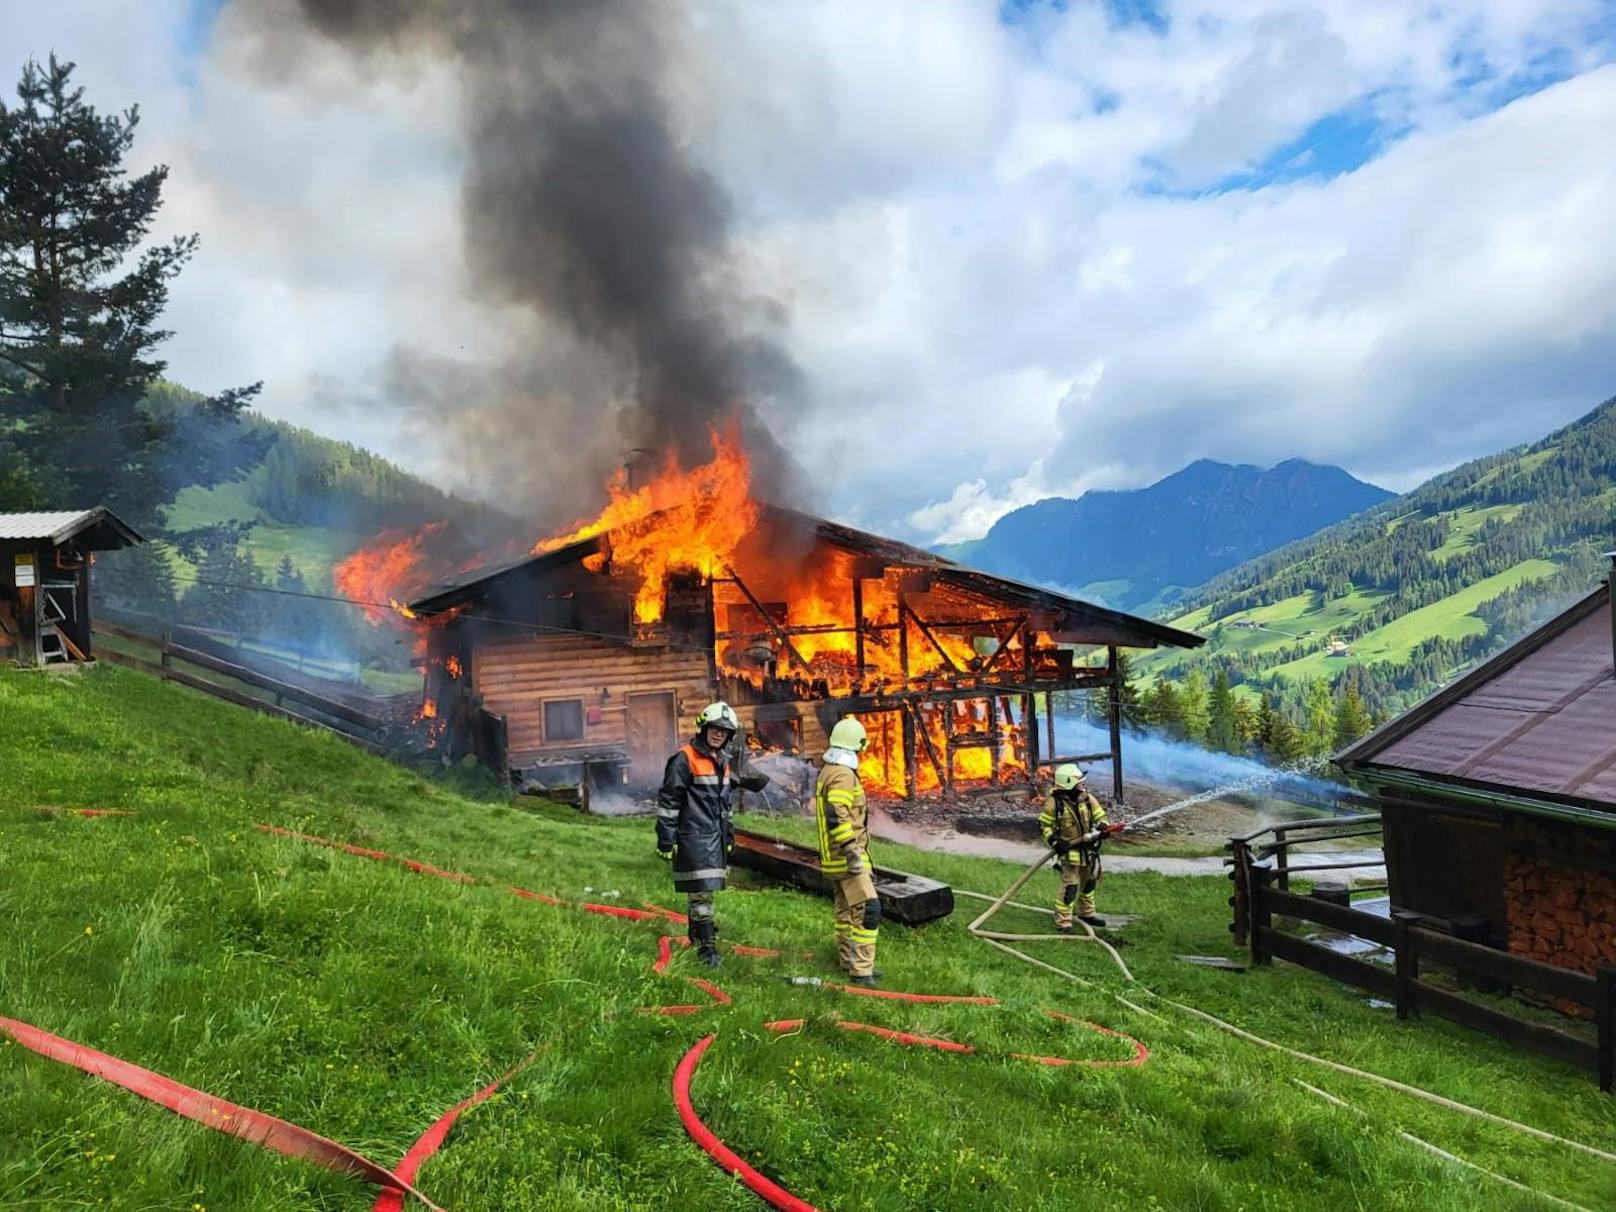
{"points": [[839, 810], [693, 818]]}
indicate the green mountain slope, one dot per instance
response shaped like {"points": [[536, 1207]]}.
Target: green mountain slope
{"points": [[1135, 548], [361, 1000], [1399, 598]]}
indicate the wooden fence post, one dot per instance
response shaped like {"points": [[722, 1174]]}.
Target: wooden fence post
{"points": [[1258, 878], [1282, 858], [1605, 1016], [163, 657], [1408, 963], [1240, 900]]}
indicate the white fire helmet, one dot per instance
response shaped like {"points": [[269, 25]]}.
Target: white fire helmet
{"points": [[849, 734], [1068, 777], [719, 715]]}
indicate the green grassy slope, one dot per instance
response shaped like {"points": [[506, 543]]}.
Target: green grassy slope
{"points": [[361, 1000], [1423, 584]]}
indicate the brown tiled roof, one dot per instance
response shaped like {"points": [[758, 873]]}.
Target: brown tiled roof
{"points": [[1538, 720]]}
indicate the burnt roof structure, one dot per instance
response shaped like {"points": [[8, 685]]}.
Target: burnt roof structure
{"points": [[1532, 729], [1080, 622]]}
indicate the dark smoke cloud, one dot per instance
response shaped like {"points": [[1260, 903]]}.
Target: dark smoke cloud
{"points": [[584, 207]]}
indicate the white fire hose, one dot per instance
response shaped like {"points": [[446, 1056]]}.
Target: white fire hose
{"points": [[1002, 940]]}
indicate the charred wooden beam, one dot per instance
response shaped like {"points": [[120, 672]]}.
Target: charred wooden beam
{"points": [[909, 782], [769, 619], [905, 898], [925, 739], [1029, 712], [903, 606], [1114, 667], [997, 738], [1004, 646], [858, 626]]}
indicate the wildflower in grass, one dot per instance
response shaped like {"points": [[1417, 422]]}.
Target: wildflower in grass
{"points": [[89, 930]]}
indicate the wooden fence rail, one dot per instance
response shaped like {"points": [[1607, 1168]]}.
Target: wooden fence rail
{"points": [[1259, 898], [363, 729]]}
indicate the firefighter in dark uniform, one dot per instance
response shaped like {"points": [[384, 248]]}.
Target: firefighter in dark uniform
{"points": [[693, 828]]}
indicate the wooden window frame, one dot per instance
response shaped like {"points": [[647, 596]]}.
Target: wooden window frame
{"points": [[544, 716]]}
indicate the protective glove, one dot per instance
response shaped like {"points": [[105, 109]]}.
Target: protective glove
{"points": [[1062, 846], [665, 855], [855, 863]]}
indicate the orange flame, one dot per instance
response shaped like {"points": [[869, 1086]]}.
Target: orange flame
{"points": [[391, 568], [681, 521]]}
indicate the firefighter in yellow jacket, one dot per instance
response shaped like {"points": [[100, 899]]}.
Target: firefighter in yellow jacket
{"points": [[844, 850], [1073, 823]]}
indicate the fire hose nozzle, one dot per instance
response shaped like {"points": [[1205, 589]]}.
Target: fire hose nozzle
{"points": [[811, 982]]}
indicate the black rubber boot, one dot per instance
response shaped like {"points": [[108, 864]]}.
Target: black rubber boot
{"points": [[1092, 921], [1065, 929], [867, 982], [704, 935]]}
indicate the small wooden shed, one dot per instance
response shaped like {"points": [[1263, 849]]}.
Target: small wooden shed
{"points": [[45, 563], [1498, 795]]}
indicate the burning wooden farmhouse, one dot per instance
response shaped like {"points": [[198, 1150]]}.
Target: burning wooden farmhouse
{"points": [[45, 561], [598, 652], [1498, 795]]}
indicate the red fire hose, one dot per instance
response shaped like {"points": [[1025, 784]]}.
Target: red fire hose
{"points": [[1140, 1055], [392, 1199], [216, 1113], [699, 1132], [296, 1141]]}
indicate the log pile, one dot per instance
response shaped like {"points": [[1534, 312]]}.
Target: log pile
{"points": [[1561, 914]]}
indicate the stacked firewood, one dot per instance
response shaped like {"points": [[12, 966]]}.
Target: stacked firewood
{"points": [[1561, 914]]}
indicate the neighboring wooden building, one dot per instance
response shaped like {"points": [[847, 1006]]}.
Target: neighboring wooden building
{"points": [[538, 668], [45, 561], [1498, 795]]}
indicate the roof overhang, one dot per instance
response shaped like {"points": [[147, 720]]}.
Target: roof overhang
{"points": [[97, 529]]}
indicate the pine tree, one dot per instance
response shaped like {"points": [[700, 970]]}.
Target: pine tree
{"points": [[1221, 733], [82, 336], [1318, 733], [1195, 713], [1351, 718], [1246, 727], [1167, 708]]}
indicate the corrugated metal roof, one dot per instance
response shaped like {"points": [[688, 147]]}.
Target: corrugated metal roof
{"points": [[49, 525], [55, 526], [1539, 719]]}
